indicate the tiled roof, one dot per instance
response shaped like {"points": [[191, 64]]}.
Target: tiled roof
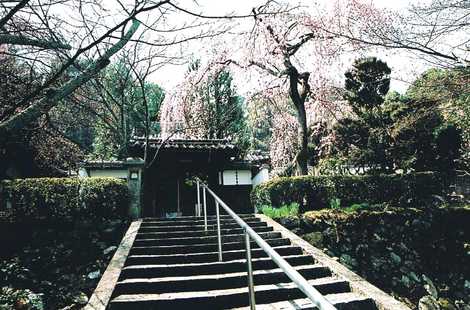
{"points": [[109, 164], [258, 157], [186, 144]]}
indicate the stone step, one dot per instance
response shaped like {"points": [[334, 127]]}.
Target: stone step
{"points": [[196, 227], [214, 282], [201, 248], [173, 270], [148, 259], [183, 222], [225, 299], [194, 234], [194, 218], [341, 301], [198, 240]]}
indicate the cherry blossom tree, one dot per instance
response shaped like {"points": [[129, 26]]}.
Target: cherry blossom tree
{"points": [[437, 31], [293, 60]]}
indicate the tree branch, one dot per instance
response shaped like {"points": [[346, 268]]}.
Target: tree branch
{"points": [[53, 96], [20, 40], [12, 12]]}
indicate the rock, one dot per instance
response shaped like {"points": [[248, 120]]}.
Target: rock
{"points": [[315, 239], [466, 285], [81, 299], [94, 275], [430, 287], [461, 305], [101, 244], [414, 277], [446, 304], [348, 260], [289, 222], [114, 223], [395, 258], [428, 303], [109, 231], [46, 283], [405, 281], [109, 250]]}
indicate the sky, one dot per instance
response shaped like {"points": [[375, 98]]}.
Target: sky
{"points": [[404, 68]]}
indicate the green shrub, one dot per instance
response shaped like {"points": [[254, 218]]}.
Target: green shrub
{"points": [[62, 198], [317, 192], [11, 299], [291, 210], [335, 203], [104, 197]]}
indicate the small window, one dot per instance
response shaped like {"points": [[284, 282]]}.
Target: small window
{"points": [[236, 177]]}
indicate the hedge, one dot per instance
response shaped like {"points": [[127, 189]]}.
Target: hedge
{"points": [[62, 199], [316, 192]]}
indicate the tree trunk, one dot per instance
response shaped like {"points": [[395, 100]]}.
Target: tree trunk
{"points": [[298, 96], [302, 140]]}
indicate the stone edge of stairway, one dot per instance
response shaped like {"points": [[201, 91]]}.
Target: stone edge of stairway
{"points": [[358, 284], [102, 294]]}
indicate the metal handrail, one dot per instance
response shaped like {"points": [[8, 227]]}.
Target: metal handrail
{"points": [[313, 294]]}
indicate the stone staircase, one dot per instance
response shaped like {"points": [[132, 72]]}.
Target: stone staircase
{"points": [[173, 264]]}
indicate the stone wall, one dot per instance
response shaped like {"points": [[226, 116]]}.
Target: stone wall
{"points": [[462, 186], [422, 257]]}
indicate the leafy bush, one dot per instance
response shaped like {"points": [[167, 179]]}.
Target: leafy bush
{"points": [[62, 198], [284, 211], [19, 299], [317, 192], [335, 203], [104, 197]]}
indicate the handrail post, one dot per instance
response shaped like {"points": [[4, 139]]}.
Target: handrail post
{"points": [[198, 210], [251, 286], [219, 237], [204, 201]]}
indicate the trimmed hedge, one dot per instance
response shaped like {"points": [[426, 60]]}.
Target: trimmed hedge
{"points": [[316, 192], [62, 199]]}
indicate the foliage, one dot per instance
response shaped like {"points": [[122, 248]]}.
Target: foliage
{"points": [[394, 132], [63, 199], [367, 83], [358, 207], [20, 299], [317, 192], [104, 197], [291, 210], [260, 121], [335, 203], [123, 107], [395, 247], [53, 260], [450, 89], [39, 148], [206, 106]]}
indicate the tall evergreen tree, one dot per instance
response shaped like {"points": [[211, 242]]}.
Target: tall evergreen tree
{"points": [[392, 132], [366, 84], [122, 109]]}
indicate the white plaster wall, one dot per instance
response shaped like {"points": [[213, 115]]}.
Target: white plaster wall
{"points": [[244, 177], [261, 176], [82, 173], [114, 173], [236, 177]]}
